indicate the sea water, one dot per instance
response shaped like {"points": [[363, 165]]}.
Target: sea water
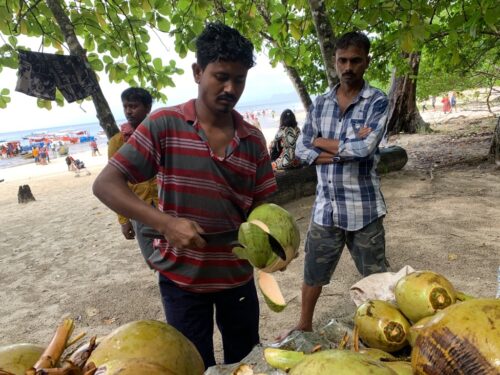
{"points": [[268, 115]]}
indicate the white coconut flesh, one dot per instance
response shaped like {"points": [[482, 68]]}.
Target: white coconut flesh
{"points": [[270, 288]]}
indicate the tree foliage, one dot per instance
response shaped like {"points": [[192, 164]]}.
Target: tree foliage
{"points": [[456, 41], [115, 35]]}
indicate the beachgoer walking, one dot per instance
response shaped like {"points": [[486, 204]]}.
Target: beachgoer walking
{"points": [[137, 104], [94, 148], [453, 101], [446, 104], [213, 168], [341, 136]]}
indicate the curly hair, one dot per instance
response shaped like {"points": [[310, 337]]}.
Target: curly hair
{"points": [[353, 38], [137, 94], [221, 42]]}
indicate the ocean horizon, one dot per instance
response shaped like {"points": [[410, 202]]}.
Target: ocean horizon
{"points": [[93, 128]]}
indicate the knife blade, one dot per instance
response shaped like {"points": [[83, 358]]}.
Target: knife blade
{"points": [[224, 238]]}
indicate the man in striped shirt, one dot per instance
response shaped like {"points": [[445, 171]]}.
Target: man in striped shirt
{"points": [[212, 169], [341, 136]]}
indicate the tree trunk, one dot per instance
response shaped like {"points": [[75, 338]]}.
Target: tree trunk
{"points": [[290, 70], [403, 114], [104, 114], [299, 86], [495, 144], [326, 39]]}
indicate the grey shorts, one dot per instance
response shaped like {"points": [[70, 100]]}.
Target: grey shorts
{"points": [[324, 247]]}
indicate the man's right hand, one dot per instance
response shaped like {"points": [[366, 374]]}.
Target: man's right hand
{"points": [[128, 230], [183, 233]]}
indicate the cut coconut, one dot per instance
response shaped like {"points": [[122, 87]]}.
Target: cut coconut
{"points": [[271, 291], [260, 224], [270, 230], [282, 359], [422, 293], [382, 326]]}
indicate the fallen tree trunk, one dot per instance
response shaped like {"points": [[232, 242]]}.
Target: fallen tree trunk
{"points": [[301, 182]]}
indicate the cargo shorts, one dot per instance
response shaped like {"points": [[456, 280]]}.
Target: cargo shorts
{"points": [[324, 246]]}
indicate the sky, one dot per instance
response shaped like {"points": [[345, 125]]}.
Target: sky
{"points": [[22, 113]]}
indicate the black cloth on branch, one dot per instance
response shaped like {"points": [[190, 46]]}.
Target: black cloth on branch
{"points": [[40, 73]]}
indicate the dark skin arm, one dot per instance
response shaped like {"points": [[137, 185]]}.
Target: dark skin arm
{"points": [[111, 188], [330, 147]]}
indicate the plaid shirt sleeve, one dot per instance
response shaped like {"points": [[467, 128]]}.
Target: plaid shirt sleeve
{"points": [[304, 148], [358, 149]]}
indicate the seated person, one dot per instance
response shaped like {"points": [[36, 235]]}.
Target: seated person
{"points": [[282, 148], [76, 165]]}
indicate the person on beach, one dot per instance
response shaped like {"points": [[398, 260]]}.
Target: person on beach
{"points": [[137, 103], [76, 165], [282, 147], [212, 169], [35, 153], [94, 148], [446, 104], [340, 136]]}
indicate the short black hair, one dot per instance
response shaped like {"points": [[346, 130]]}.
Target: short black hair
{"points": [[353, 38], [221, 42], [138, 94], [287, 119]]}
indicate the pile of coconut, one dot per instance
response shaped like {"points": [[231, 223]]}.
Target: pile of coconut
{"points": [[430, 328]]}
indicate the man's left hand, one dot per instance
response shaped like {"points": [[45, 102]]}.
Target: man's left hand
{"points": [[364, 131]]}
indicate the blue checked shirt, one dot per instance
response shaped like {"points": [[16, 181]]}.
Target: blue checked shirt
{"points": [[348, 193]]}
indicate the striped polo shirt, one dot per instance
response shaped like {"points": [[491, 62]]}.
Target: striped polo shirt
{"points": [[196, 184]]}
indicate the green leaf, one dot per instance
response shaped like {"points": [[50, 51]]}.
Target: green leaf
{"points": [[163, 24], [5, 91], [406, 42], [157, 63]]}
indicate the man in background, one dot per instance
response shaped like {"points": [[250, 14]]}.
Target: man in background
{"points": [[137, 104], [341, 136]]}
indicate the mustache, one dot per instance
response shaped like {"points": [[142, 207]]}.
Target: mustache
{"points": [[227, 97]]}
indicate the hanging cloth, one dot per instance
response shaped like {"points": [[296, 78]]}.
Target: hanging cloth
{"points": [[40, 73]]}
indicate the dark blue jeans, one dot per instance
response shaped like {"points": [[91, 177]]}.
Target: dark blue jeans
{"points": [[236, 314]]}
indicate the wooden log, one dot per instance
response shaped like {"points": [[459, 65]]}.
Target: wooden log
{"points": [[24, 194], [301, 182], [392, 158]]}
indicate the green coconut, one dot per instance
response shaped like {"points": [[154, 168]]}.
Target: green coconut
{"points": [[18, 358], [256, 239], [422, 293], [282, 359], [376, 354], [382, 326], [343, 362], [132, 367], [462, 339], [150, 341], [265, 221], [415, 328], [400, 367]]}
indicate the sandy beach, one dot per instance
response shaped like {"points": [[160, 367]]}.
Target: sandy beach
{"points": [[63, 255]]}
